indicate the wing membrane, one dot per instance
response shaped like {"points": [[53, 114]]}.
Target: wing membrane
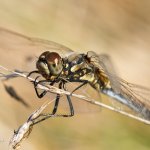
{"points": [[18, 48], [104, 63], [135, 97], [135, 92]]}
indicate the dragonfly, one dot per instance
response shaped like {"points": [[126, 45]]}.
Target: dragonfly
{"points": [[58, 64]]}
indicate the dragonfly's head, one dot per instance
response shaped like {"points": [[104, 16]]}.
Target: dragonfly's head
{"points": [[49, 64]]}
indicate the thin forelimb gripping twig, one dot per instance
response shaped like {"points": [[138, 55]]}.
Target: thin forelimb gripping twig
{"points": [[53, 89]]}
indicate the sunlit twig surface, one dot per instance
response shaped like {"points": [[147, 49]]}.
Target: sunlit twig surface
{"points": [[97, 70], [24, 130], [53, 89]]}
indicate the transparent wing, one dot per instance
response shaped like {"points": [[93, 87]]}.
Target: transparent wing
{"points": [[19, 52], [135, 92], [80, 106], [20, 49], [104, 63], [135, 97]]}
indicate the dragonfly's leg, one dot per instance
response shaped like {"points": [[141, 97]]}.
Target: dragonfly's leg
{"points": [[84, 83], [53, 114], [56, 104], [44, 92], [35, 71], [40, 82], [57, 100], [70, 104], [45, 117]]}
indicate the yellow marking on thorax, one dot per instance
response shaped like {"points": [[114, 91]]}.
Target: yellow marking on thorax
{"points": [[75, 68], [66, 66], [89, 77], [79, 66]]}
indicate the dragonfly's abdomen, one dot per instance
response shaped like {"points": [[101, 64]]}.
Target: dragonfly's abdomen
{"points": [[101, 81], [97, 81], [135, 105]]}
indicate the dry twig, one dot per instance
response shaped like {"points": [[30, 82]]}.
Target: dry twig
{"points": [[53, 89], [24, 131], [56, 90]]}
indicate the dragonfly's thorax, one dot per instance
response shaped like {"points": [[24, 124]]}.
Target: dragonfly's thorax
{"points": [[78, 69]]}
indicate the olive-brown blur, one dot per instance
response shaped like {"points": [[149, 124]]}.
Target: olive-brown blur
{"points": [[120, 28]]}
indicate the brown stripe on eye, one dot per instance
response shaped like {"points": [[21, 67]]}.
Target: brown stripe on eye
{"points": [[52, 56]]}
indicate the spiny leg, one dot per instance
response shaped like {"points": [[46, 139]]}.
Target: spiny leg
{"points": [[53, 114], [57, 100], [61, 85], [40, 82], [56, 104], [35, 71], [45, 117], [44, 92], [70, 106], [70, 103], [84, 83]]}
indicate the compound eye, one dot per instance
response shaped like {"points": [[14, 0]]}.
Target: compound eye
{"points": [[43, 55], [43, 68], [53, 58], [54, 62]]}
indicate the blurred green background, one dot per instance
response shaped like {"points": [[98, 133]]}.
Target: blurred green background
{"points": [[120, 28]]}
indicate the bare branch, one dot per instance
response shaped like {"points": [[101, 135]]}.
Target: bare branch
{"points": [[53, 89], [24, 131]]}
